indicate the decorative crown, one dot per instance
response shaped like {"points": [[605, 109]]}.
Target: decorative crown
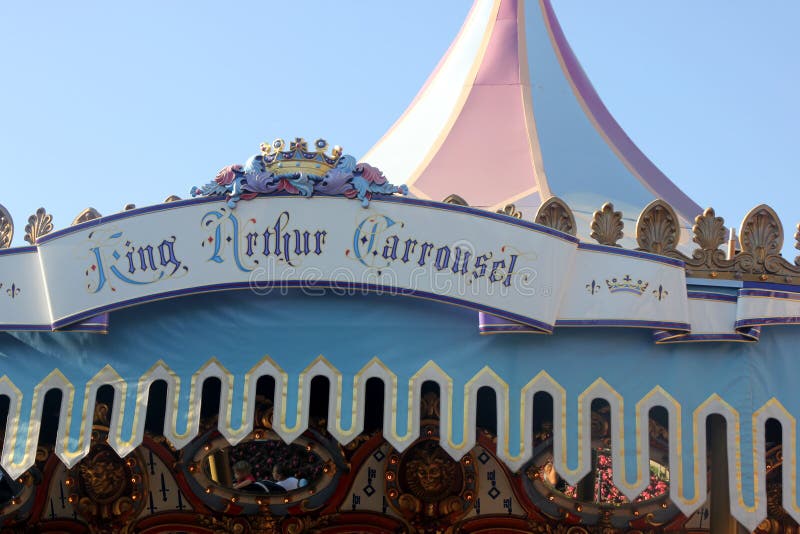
{"points": [[298, 159], [627, 285]]}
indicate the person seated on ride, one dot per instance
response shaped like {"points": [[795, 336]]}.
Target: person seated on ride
{"points": [[245, 480], [282, 477]]}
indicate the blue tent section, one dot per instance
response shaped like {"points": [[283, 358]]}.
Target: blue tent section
{"points": [[237, 330]]}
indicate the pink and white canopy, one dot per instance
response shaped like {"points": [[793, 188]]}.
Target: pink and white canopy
{"points": [[509, 116]]}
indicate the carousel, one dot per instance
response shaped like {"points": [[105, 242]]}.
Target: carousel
{"points": [[503, 318]]}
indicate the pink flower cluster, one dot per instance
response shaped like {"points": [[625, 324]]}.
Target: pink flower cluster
{"points": [[607, 493]]}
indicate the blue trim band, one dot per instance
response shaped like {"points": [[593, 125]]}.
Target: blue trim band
{"points": [[664, 325], [703, 295], [381, 198], [764, 321], [704, 337], [521, 329], [18, 250], [766, 285], [632, 253], [291, 284], [25, 328], [785, 295]]}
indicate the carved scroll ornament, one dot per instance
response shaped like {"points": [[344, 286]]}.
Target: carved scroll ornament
{"points": [[555, 213]]}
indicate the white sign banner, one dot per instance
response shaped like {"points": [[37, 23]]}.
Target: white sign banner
{"points": [[458, 255], [528, 275], [617, 287], [610, 286], [23, 297]]}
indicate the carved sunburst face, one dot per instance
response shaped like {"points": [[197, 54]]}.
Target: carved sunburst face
{"points": [[430, 474], [103, 476]]}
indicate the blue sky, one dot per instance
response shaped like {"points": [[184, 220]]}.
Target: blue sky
{"points": [[106, 103]]}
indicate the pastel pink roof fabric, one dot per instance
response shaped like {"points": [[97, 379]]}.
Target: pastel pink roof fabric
{"points": [[509, 116]]}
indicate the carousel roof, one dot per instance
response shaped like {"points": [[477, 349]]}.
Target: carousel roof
{"points": [[509, 116]]}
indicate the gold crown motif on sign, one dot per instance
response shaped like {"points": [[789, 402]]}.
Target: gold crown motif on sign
{"points": [[298, 158], [627, 285]]}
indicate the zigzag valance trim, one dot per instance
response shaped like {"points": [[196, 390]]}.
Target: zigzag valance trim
{"points": [[571, 429]]}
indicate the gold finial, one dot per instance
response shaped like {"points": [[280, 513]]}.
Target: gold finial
{"points": [[754, 256], [6, 228], [39, 224], [708, 259], [455, 199], [797, 244], [761, 233], [709, 230], [555, 213], [89, 214], [761, 240], [607, 225], [510, 210], [732, 241], [657, 229], [172, 198]]}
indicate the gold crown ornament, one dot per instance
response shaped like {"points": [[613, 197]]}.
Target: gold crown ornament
{"points": [[298, 158]]}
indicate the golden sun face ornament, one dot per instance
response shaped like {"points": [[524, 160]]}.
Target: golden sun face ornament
{"points": [[427, 486]]}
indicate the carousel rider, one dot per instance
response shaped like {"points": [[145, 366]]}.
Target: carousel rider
{"points": [[282, 477]]}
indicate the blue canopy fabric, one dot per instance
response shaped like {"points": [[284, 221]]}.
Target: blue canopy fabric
{"points": [[239, 336]]}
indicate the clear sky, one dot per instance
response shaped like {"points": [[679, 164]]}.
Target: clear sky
{"points": [[108, 103]]}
